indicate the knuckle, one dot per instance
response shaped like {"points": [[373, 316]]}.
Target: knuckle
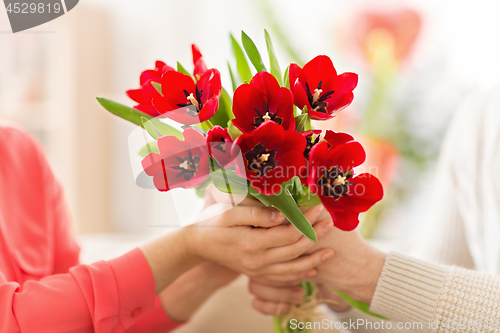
{"points": [[256, 213], [292, 236], [292, 253]]}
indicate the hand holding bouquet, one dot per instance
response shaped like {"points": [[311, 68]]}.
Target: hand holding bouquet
{"points": [[258, 143]]}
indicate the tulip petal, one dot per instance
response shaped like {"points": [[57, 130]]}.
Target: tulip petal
{"points": [[268, 86], [346, 156], [136, 95], [319, 69], [246, 99], [336, 138], [285, 109], [300, 96], [365, 192], [293, 74]]}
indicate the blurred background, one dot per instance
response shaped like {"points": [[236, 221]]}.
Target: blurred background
{"points": [[416, 60]]}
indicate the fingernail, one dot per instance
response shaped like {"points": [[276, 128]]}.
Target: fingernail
{"points": [[328, 226], [327, 256], [277, 216], [297, 295], [312, 273], [319, 209]]}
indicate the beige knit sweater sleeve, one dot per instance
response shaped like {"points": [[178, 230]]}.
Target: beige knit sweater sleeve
{"points": [[442, 298]]}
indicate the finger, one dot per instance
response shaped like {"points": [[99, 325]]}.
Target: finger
{"points": [[270, 308], [292, 277], [249, 216], [293, 251], [312, 214], [263, 280], [285, 234], [276, 294], [299, 265]]}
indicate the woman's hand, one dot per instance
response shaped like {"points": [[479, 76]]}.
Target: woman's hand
{"points": [[252, 240]]}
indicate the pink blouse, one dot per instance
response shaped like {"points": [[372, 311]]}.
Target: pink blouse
{"points": [[42, 286]]}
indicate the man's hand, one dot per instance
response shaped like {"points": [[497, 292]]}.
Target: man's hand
{"points": [[275, 298], [355, 267]]}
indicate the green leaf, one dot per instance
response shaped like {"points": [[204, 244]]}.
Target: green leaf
{"points": [[157, 87], [232, 130], [234, 81], [150, 147], [162, 129], [200, 190], [151, 129], [123, 111], [273, 60], [241, 61], [305, 110], [308, 125], [284, 202], [300, 122], [224, 113], [308, 288], [286, 78], [253, 53], [277, 320], [181, 69], [227, 181], [207, 125], [296, 188], [308, 199], [361, 306]]}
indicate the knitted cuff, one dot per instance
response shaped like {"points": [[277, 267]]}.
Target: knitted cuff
{"points": [[408, 289]]}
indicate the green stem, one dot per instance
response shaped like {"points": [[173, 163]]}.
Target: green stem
{"points": [[207, 125]]}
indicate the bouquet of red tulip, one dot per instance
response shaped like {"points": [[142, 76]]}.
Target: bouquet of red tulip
{"points": [[259, 142]]}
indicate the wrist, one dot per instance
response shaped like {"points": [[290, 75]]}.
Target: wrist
{"points": [[368, 276], [189, 248]]}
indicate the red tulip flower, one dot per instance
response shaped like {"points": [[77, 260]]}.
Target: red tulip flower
{"points": [[147, 91], [313, 137], [271, 156], [188, 102], [220, 145], [199, 64], [332, 179], [318, 87], [260, 101], [183, 164], [336, 138]]}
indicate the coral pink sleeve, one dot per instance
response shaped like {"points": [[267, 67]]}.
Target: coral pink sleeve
{"points": [[156, 322], [107, 296]]}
